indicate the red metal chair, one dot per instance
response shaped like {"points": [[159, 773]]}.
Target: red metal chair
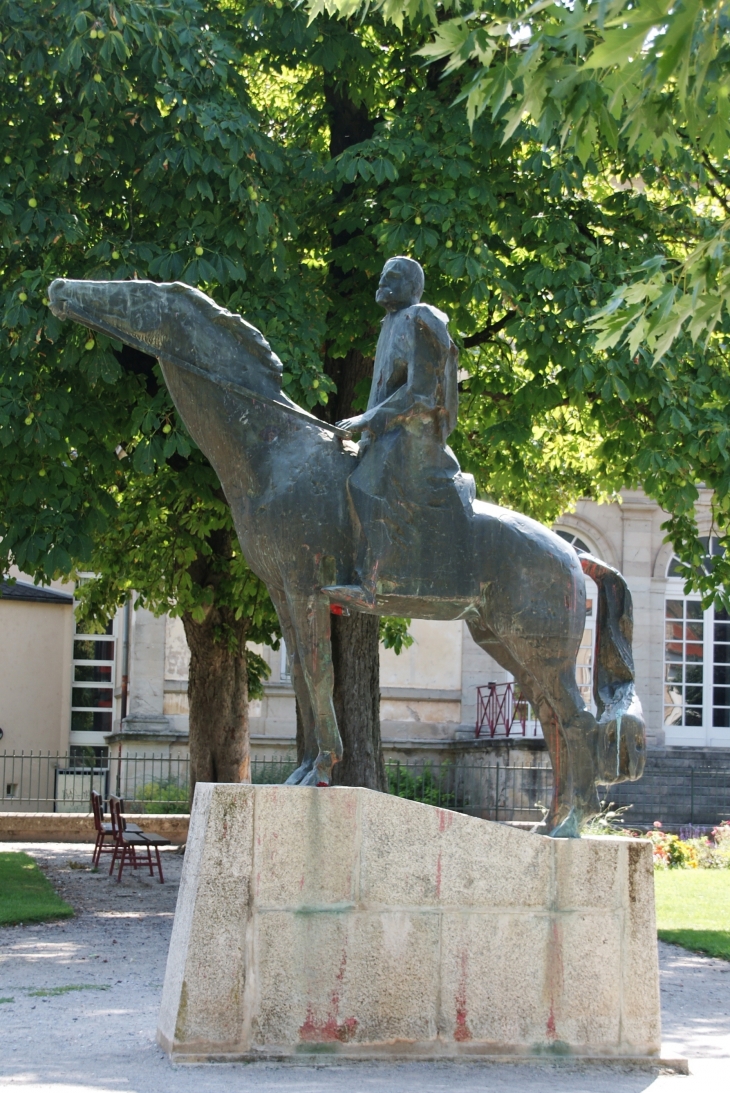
{"points": [[127, 842], [103, 830]]}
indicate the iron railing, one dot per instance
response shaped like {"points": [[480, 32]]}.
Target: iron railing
{"points": [[488, 790], [502, 711], [63, 782], [693, 796]]}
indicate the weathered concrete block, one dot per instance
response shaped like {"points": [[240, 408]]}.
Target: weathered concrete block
{"points": [[343, 921]]}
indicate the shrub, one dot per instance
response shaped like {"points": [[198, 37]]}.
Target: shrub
{"points": [[163, 796], [271, 772], [713, 852], [704, 852], [429, 787]]}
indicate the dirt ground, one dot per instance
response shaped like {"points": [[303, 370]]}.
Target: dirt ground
{"points": [[79, 999]]}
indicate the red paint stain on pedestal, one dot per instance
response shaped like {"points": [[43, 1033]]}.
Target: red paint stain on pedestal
{"points": [[446, 819], [462, 1032], [316, 1030], [554, 977]]}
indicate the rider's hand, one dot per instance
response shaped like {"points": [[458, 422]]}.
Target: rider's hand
{"points": [[354, 424]]}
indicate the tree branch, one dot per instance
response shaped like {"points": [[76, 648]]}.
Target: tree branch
{"points": [[489, 331], [718, 178]]}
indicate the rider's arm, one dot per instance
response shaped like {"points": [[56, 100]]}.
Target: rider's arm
{"points": [[423, 392]]}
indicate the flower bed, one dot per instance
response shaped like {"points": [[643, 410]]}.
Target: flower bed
{"points": [[705, 852]]}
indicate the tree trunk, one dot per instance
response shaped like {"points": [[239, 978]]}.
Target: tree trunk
{"points": [[218, 697], [356, 660], [355, 642]]}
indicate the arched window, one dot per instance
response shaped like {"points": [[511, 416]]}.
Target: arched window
{"points": [[696, 661], [586, 653], [713, 549], [574, 540]]}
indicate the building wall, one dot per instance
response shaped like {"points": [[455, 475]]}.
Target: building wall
{"points": [[35, 676]]}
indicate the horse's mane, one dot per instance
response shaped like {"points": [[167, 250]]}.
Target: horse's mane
{"points": [[247, 336]]}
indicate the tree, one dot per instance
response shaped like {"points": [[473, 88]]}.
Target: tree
{"points": [[131, 148], [128, 150]]}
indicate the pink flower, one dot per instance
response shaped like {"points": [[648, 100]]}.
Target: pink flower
{"points": [[657, 823]]}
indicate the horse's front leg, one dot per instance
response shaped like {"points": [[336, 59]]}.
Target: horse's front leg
{"points": [[310, 619], [306, 713]]}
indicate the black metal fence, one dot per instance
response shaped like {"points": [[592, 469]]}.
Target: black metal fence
{"points": [[160, 783], [63, 783], [489, 790]]}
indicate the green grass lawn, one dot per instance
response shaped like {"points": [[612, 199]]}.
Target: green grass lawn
{"points": [[693, 909], [26, 895]]}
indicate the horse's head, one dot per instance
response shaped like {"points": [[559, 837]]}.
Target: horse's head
{"points": [[175, 323]]}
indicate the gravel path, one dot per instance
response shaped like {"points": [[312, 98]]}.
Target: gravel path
{"points": [[79, 999]]}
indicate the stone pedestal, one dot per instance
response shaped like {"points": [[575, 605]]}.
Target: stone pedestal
{"points": [[343, 921]]}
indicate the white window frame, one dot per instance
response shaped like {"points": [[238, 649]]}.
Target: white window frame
{"points": [[706, 734], [90, 737], [284, 664]]}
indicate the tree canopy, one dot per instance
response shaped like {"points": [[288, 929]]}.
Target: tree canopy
{"points": [[624, 80], [127, 151], [276, 163]]}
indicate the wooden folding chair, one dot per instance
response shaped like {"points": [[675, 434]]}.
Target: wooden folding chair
{"points": [[128, 843]]}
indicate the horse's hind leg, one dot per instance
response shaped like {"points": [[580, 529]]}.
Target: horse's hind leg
{"points": [[568, 727], [557, 749], [559, 704], [299, 683]]}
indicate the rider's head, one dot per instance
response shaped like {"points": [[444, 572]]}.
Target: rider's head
{"points": [[401, 284]]}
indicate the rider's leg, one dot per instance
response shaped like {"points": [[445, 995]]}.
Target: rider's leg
{"points": [[387, 533], [362, 595], [310, 618], [301, 690]]}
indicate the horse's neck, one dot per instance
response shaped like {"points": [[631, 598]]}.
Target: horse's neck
{"points": [[255, 443], [234, 431]]}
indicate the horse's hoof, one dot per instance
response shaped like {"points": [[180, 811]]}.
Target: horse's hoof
{"points": [[320, 773], [296, 778], [568, 828], [316, 777]]}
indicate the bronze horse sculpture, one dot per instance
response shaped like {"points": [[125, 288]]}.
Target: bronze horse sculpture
{"points": [[519, 587]]}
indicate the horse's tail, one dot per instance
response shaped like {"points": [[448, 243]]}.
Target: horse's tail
{"points": [[621, 726]]}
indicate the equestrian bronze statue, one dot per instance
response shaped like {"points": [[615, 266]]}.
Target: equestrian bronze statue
{"points": [[390, 526]]}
